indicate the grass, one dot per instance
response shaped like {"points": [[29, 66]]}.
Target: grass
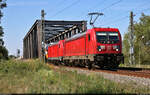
{"points": [[34, 77], [135, 65]]}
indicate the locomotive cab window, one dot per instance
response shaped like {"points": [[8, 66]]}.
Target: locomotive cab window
{"points": [[89, 37], [101, 37], [107, 37]]}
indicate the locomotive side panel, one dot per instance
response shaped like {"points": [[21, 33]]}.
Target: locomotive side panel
{"points": [[75, 47], [49, 52], [61, 48], [53, 51], [90, 43]]}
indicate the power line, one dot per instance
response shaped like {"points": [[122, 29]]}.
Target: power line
{"points": [[112, 5], [109, 5], [120, 19], [60, 11], [130, 10], [114, 21], [58, 4], [97, 4], [61, 2]]}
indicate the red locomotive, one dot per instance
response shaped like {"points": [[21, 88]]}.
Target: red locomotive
{"points": [[97, 46]]}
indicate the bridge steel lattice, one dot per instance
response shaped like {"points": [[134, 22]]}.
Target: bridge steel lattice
{"points": [[33, 40]]}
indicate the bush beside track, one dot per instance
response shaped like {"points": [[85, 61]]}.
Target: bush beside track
{"points": [[32, 76], [135, 66]]}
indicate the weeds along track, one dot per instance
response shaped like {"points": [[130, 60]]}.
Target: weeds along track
{"points": [[128, 71], [136, 72]]}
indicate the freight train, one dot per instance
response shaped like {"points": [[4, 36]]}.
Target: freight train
{"points": [[96, 47]]}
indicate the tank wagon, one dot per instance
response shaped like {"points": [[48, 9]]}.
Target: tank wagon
{"points": [[96, 46]]}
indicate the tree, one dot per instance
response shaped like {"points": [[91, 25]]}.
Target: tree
{"points": [[18, 53], [142, 38], [1, 35], [12, 57], [3, 53], [3, 50], [2, 5]]}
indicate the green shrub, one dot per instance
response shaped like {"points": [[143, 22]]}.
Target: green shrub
{"points": [[21, 67], [3, 53], [33, 76]]}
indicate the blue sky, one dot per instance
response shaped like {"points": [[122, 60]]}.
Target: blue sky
{"points": [[20, 15]]}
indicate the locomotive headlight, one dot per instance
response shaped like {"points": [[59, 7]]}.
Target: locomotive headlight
{"points": [[116, 47], [99, 48]]}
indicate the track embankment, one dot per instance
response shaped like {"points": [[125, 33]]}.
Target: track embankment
{"points": [[138, 76]]}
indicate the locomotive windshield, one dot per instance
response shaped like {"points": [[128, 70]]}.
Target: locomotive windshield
{"points": [[107, 37]]}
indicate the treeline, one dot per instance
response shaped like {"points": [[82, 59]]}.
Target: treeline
{"points": [[3, 50], [141, 41], [3, 53]]}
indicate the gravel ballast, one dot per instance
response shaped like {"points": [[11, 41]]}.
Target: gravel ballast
{"points": [[137, 81]]}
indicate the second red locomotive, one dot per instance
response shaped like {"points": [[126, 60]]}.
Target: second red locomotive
{"points": [[97, 46]]}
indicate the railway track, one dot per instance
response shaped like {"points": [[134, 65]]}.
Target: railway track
{"points": [[128, 71]]}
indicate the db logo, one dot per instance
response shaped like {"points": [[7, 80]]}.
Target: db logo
{"points": [[108, 48]]}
